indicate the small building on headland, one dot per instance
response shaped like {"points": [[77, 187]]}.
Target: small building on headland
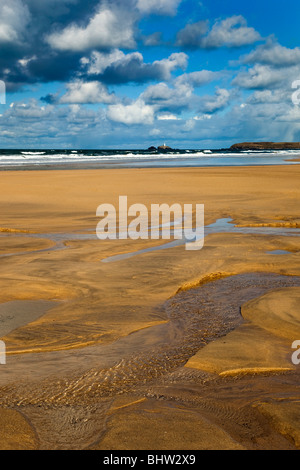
{"points": [[164, 147], [160, 148]]}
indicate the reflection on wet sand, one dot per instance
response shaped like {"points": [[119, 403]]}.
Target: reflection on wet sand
{"points": [[224, 225]]}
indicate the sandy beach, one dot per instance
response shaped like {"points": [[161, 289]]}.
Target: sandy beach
{"points": [[170, 349]]}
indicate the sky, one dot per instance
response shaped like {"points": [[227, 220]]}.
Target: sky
{"points": [[134, 73]]}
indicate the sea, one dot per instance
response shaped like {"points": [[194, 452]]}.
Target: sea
{"points": [[57, 158]]}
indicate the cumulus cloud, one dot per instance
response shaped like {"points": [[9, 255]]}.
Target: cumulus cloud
{"points": [[98, 62], [261, 76], [269, 96], [117, 67], [80, 92], [212, 104], [196, 79], [173, 62], [162, 7], [29, 111], [273, 69], [166, 98], [84, 45], [191, 36], [26, 57], [274, 54], [180, 95], [52, 126], [231, 32], [108, 28], [135, 113], [14, 18]]}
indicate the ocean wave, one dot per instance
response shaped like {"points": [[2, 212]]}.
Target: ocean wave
{"points": [[33, 153], [144, 158]]}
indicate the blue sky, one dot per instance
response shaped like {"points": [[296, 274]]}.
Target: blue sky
{"points": [[135, 73]]}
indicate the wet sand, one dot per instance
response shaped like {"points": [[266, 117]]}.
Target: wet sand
{"points": [[293, 160], [160, 340], [16, 314]]}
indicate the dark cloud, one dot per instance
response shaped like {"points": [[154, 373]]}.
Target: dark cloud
{"points": [[117, 67], [192, 35], [49, 99], [54, 67], [26, 57], [56, 8]]}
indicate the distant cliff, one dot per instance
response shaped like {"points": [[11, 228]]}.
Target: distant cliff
{"points": [[266, 146]]}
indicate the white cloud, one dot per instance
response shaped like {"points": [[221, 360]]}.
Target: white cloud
{"points": [[87, 92], [135, 113], [231, 32], [14, 18], [54, 126], [274, 54], [269, 96], [24, 62], [167, 117], [158, 92], [181, 94], [30, 111], [163, 7], [196, 79], [166, 98], [99, 62], [107, 29], [261, 76], [291, 115], [173, 62], [211, 104]]}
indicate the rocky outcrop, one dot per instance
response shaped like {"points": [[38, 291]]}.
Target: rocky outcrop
{"points": [[266, 146], [164, 147]]}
